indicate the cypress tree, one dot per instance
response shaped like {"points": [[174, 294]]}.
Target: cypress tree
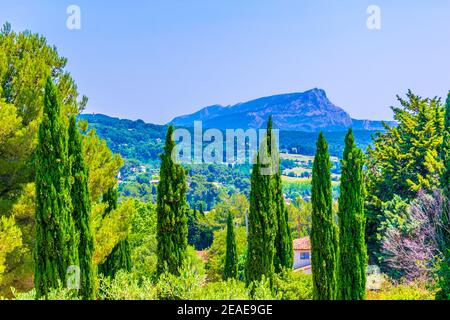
{"points": [[262, 218], [172, 230], [352, 223], [284, 255], [81, 212], [120, 256], [231, 268], [56, 240], [118, 259], [284, 252], [444, 270], [323, 228]]}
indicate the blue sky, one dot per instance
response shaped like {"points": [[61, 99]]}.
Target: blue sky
{"points": [[155, 60]]}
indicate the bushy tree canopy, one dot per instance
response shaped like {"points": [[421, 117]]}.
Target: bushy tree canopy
{"points": [[404, 159]]}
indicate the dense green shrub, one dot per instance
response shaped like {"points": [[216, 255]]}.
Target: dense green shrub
{"points": [[187, 284], [261, 290], [126, 286], [200, 233], [142, 240], [53, 295], [293, 285], [216, 254], [410, 291], [223, 290]]}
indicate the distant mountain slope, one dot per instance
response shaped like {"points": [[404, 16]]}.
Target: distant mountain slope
{"points": [[310, 111], [132, 139], [144, 142]]}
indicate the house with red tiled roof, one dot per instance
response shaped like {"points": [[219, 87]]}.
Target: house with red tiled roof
{"points": [[302, 254]]}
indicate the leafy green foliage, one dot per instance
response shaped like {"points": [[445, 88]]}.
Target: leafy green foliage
{"points": [[132, 139], [111, 228], [200, 232], [10, 239], [404, 159], [299, 217], [293, 285], [102, 163], [402, 291], [231, 268], [120, 256], [444, 268], [20, 262], [26, 61], [236, 204], [215, 266], [16, 146], [142, 238], [230, 289], [187, 283], [299, 142], [393, 216], [59, 294], [126, 286], [118, 259]]}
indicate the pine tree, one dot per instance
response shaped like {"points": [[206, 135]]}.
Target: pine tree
{"points": [[231, 268], [323, 229], [81, 212], [262, 218], [120, 256], [284, 252], [172, 230], [402, 160], [352, 223], [56, 240], [445, 150], [444, 270]]}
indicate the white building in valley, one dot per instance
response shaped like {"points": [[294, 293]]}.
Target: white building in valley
{"points": [[302, 255]]}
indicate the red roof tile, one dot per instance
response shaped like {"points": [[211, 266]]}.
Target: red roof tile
{"points": [[302, 244]]}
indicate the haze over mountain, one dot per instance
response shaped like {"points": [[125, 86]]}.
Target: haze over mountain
{"points": [[309, 111]]}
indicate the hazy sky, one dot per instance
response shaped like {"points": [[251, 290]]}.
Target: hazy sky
{"points": [[155, 60]]}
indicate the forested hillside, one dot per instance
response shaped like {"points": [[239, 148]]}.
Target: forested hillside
{"points": [[140, 145], [143, 141]]}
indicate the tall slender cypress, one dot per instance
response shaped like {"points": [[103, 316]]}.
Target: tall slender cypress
{"points": [[284, 252], [56, 240], [352, 224], [172, 230], [231, 268], [262, 218], [81, 212], [444, 270], [323, 228], [120, 256]]}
